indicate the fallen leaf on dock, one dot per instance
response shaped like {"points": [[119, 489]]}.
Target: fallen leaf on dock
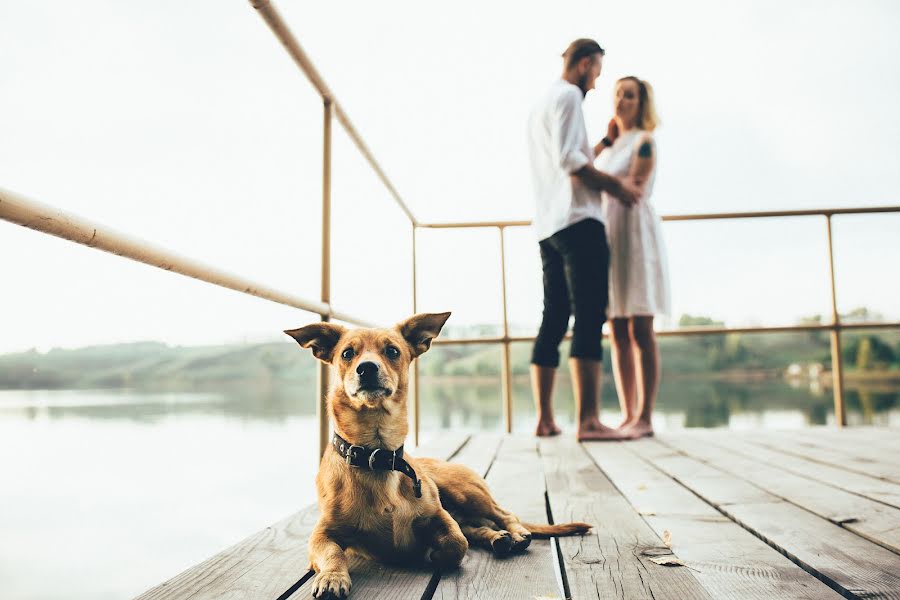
{"points": [[664, 557], [669, 561], [647, 512], [667, 538]]}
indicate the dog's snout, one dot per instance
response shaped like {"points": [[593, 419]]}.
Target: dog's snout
{"points": [[367, 369]]}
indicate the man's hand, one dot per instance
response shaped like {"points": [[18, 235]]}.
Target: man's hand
{"points": [[630, 191]]}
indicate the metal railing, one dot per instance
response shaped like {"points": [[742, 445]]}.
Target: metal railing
{"points": [[835, 327], [20, 210]]}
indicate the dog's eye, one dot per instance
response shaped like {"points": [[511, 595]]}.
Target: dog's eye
{"points": [[392, 352], [347, 354]]}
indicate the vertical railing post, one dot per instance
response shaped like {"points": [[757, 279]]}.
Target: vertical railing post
{"points": [[506, 384], [837, 362], [416, 404], [323, 372]]}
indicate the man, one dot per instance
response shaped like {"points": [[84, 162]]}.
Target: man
{"points": [[572, 239]]}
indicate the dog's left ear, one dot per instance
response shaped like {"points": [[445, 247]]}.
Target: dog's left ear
{"points": [[321, 337], [419, 330]]}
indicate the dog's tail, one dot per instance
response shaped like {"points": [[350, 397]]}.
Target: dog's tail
{"points": [[546, 531]]}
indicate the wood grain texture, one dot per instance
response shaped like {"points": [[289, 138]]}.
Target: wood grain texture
{"points": [[517, 482], [264, 565], [730, 562], [614, 560], [820, 451], [872, 520], [443, 445], [846, 562], [866, 486], [866, 443], [480, 452]]}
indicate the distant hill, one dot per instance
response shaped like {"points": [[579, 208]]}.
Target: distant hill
{"points": [[153, 365], [157, 366]]}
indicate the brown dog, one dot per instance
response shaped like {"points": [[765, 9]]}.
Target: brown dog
{"points": [[373, 499]]}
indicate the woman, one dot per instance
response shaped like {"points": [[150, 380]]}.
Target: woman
{"points": [[638, 273]]}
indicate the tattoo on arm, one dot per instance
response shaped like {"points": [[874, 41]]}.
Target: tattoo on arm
{"points": [[646, 150]]}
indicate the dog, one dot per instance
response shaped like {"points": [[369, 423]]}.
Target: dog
{"points": [[374, 499]]}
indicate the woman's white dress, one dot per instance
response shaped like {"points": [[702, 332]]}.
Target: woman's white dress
{"points": [[638, 269]]}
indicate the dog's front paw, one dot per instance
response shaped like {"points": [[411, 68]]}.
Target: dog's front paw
{"points": [[331, 584]]}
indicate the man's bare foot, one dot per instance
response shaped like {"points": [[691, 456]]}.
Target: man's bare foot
{"points": [[638, 430], [547, 429], [594, 430]]}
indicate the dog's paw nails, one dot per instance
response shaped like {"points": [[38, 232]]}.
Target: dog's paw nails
{"points": [[502, 544], [332, 584], [521, 541]]}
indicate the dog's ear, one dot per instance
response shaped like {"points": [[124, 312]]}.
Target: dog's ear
{"points": [[419, 330], [321, 337]]}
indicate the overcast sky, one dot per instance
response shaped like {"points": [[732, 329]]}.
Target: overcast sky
{"points": [[186, 123]]}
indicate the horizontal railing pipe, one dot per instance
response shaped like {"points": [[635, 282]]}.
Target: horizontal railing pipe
{"points": [[53, 221], [686, 331], [688, 217]]}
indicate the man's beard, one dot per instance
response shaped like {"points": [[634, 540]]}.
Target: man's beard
{"points": [[582, 84]]}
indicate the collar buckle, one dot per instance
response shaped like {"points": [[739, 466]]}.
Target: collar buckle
{"points": [[351, 454]]}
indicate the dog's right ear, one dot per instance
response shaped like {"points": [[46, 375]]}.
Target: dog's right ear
{"points": [[420, 329], [321, 337]]}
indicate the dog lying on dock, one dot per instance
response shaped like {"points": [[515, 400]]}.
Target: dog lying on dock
{"points": [[374, 499]]}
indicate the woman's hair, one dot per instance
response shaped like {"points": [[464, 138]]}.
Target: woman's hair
{"points": [[647, 119]]}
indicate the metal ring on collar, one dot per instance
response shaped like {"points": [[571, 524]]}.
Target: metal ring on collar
{"points": [[372, 459]]}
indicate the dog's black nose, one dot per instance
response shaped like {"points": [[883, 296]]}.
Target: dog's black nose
{"points": [[366, 369]]}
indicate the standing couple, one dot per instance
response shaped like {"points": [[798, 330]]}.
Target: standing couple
{"points": [[601, 246]]}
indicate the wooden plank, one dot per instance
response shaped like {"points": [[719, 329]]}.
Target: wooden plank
{"points": [[443, 446], [730, 562], [865, 436], [612, 561], [264, 565], [844, 561], [480, 452], [827, 455], [866, 486], [866, 446], [517, 482], [373, 580], [872, 520]]}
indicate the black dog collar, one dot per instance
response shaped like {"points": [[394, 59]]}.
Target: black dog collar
{"points": [[375, 459]]}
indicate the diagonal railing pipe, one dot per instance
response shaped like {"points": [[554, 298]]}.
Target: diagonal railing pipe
{"points": [[273, 19], [32, 214], [332, 110]]}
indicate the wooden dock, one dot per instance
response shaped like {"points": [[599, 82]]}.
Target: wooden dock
{"points": [[811, 514]]}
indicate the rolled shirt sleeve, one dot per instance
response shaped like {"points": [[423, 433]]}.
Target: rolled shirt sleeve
{"points": [[571, 135]]}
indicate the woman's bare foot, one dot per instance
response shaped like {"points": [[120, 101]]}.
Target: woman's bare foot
{"points": [[547, 429], [626, 424], [594, 430], [638, 430]]}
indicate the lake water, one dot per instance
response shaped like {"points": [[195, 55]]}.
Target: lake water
{"points": [[104, 494]]}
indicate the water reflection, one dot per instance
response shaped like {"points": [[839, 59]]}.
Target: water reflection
{"points": [[475, 403], [115, 491]]}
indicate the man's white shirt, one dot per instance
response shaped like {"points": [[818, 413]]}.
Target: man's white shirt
{"points": [[558, 146]]}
